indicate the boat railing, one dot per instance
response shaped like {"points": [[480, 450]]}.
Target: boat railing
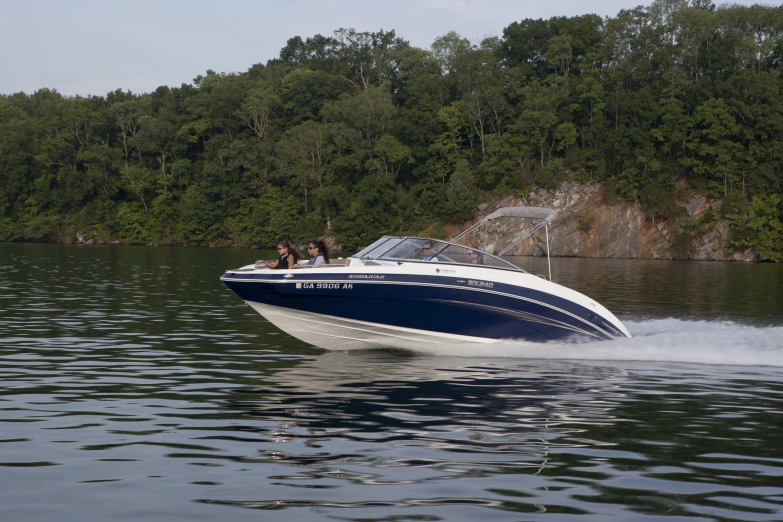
{"points": [[541, 217]]}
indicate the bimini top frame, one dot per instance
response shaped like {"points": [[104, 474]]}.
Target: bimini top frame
{"points": [[543, 216]]}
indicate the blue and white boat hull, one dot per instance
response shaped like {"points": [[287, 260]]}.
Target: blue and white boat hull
{"points": [[386, 304], [337, 333]]}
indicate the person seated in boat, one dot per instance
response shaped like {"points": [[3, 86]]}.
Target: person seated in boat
{"points": [[475, 258], [426, 252], [320, 254], [288, 257]]}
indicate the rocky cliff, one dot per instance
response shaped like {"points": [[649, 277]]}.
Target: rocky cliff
{"points": [[587, 226]]}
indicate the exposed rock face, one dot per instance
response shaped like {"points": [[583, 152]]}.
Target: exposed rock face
{"points": [[81, 240], [587, 227]]}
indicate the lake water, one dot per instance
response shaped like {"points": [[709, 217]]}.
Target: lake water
{"points": [[134, 386]]}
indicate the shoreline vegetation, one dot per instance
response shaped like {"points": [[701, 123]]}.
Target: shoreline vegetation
{"points": [[357, 135]]}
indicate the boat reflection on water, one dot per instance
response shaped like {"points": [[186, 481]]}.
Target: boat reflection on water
{"points": [[495, 414], [393, 436]]}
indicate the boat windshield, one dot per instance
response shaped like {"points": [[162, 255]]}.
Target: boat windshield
{"points": [[432, 250], [379, 247]]}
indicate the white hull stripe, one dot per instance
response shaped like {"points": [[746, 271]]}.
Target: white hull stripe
{"points": [[361, 326]]}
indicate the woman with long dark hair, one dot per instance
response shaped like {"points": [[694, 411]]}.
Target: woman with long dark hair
{"points": [[320, 253], [288, 257]]}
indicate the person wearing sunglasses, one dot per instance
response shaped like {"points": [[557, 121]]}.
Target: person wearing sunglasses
{"points": [[475, 258], [288, 257], [320, 254], [427, 252]]}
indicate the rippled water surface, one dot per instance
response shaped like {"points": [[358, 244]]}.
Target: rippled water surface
{"points": [[134, 386]]}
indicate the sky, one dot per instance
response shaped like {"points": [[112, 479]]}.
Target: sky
{"points": [[91, 47]]}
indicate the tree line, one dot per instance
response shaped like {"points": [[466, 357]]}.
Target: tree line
{"points": [[360, 133]]}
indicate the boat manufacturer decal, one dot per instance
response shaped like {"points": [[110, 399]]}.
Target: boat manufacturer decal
{"points": [[445, 271], [366, 276], [480, 284]]}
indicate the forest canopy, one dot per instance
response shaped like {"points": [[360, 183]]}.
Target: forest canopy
{"points": [[359, 134]]}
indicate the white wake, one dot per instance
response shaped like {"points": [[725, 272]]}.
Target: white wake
{"points": [[664, 340]]}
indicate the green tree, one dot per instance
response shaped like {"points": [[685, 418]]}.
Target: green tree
{"points": [[461, 192]]}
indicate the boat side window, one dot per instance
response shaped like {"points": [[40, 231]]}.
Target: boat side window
{"points": [[468, 256], [406, 249], [462, 254], [418, 249], [499, 263], [472, 256]]}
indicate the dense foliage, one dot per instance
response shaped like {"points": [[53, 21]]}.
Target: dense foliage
{"points": [[361, 134]]}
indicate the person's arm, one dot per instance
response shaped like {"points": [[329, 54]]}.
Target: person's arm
{"points": [[291, 261], [267, 263], [319, 261]]}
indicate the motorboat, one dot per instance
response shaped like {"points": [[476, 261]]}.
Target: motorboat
{"points": [[406, 292]]}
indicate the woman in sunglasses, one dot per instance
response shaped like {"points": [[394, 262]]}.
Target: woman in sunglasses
{"points": [[320, 254], [475, 258], [288, 257]]}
